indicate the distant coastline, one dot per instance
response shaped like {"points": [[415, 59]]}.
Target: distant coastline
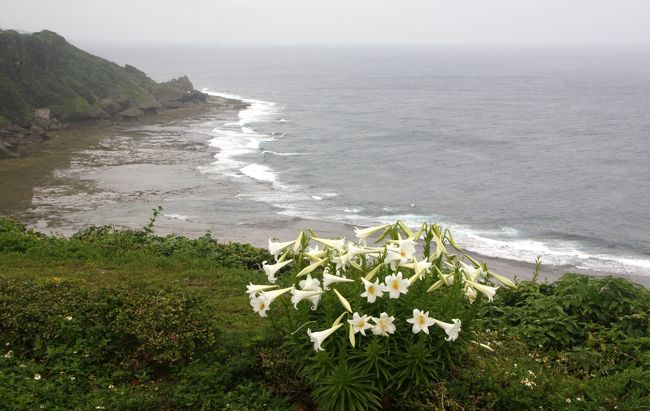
{"points": [[47, 83]]}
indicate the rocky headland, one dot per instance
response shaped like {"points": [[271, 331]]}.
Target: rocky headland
{"points": [[47, 83]]}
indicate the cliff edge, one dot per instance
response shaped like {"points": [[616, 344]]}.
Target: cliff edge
{"points": [[46, 81]]}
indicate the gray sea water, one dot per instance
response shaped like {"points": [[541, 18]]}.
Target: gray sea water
{"points": [[523, 152]]}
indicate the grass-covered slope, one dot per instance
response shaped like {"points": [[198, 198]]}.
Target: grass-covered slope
{"points": [[130, 320], [43, 70]]}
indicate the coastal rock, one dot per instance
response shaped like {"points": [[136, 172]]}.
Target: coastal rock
{"points": [[132, 113], [41, 122], [7, 150]]}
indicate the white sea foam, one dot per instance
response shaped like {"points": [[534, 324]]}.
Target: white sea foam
{"points": [[275, 153], [259, 172], [181, 217]]}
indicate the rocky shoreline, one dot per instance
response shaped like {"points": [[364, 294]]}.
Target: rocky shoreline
{"points": [[177, 93]]}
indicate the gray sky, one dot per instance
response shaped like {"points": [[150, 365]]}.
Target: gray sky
{"points": [[440, 22]]}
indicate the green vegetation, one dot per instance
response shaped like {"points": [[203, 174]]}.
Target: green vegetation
{"points": [[131, 320], [43, 70]]}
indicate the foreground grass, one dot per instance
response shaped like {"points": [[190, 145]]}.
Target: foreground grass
{"points": [[129, 320]]}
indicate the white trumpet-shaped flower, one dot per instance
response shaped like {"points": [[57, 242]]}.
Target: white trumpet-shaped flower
{"points": [[271, 269], [393, 257], [318, 337], [472, 273], [276, 248], [253, 289], [396, 285], [360, 323], [363, 234], [354, 251], [470, 293], [310, 284], [299, 295], [333, 244], [260, 305], [342, 261], [263, 301], [406, 248], [373, 290], [383, 325], [315, 253], [420, 321], [451, 329], [329, 279], [483, 289]]}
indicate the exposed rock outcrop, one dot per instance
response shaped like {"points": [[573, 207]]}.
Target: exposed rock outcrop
{"points": [[43, 73]]}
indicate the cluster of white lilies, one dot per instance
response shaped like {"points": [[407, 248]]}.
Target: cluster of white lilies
{"points": [[363, 263]]}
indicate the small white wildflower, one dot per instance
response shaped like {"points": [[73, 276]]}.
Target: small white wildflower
{"points": [[72, 378], [69, 318], [9, 354], [568, 401], [528, 383], [37, 376], [111, 386]]}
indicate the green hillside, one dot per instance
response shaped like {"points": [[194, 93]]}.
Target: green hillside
{"points": [[43, 70]]}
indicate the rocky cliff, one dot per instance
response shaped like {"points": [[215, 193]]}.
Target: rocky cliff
{"points": [[43, 71]]}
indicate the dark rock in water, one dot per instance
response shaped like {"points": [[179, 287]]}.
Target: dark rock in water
{"points": [[36, 130], [114, 106], [7, 150]]}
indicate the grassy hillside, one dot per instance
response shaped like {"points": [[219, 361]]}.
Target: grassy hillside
{"points": [[130, 320], [44, 70]]}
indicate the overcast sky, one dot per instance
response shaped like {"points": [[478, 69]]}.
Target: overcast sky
{"points": [[440, 22]]}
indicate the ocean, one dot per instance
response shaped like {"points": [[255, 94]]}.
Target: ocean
{"points": [[522, 152]]}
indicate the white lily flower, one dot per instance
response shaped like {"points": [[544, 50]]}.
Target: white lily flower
{"points": [[310, 284], [331, 279], [373, 290], [393, 257], [260, 305], [263, 301], [470, 293], [383, 325], [252, 289], [420, 321], [406, 248], [315, 253], [360, 323], [272, 295], [342, 261], [333, 244], [318, 337], [363, 234], [276, 248], [299, 295], [354, 251], [483, 289], [452, 329], [396, 285], [472, 273], [271, 269]]}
